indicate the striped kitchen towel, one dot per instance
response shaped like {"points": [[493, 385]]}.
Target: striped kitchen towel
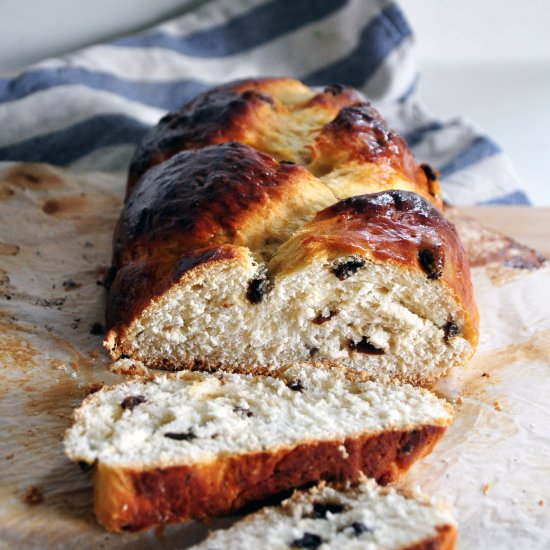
{"points": [[90, 108]]}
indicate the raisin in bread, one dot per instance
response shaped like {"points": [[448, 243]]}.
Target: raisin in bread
{"points": [[334, 133], [221, 262], [195, 445], [336, 518]]}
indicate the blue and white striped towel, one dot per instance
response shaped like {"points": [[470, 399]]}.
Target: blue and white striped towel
{"points": [[90, 108]]}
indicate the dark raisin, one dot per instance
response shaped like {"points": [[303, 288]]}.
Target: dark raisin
{"points": [[431, 174], [451, 330], [70, 285], [359, 528], [334, 89], [406, 449], [296, 385], [309, 540], [33, 495], [244, 412], [97, 329], [132, 401], [287, 162], [320, 319], [397, 201], [188, 436], [258, 288], [344, 269], [320, 509], [432, 261], [364, 346], [409, 442]]}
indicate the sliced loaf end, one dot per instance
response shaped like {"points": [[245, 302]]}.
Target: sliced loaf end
{"points": [[331, 518]]}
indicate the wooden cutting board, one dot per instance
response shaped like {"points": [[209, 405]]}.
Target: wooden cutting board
{"points": [[492, 467]]}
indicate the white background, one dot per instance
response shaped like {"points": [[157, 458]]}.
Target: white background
{"points": [[485, 59]]}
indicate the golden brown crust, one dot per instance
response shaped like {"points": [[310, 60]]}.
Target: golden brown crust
{"points": [[132, 499], [360, 134], [324, 131], [234, 112], [212, 196], [444, 540]]}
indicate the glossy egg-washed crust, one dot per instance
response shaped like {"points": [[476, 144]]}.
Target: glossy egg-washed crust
{"points": [[127, 499], [325, 131]]}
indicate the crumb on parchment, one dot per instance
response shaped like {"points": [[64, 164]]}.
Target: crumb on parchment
{"points": [[485, 488], [33, 495]]}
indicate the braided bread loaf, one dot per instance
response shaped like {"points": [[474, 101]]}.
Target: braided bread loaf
{"points": [[227, 258]]}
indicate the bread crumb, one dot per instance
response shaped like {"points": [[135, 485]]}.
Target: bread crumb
{"points": [[485, 488], [541, 502], [497, 405], [459, 400], [73, 365], [343, 451], [33, 495], [129, 367]]}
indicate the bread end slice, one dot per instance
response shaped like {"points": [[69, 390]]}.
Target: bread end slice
{"points": [[332, 517]]}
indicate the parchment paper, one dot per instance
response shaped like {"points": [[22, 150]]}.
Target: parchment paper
{"points": [[492, 467]]}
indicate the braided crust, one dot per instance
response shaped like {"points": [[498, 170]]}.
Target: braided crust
{"points": [[334, 133]]}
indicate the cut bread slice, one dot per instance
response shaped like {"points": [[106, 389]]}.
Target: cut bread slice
{"points": [[195, 445], [336, 518], [377, 283]]}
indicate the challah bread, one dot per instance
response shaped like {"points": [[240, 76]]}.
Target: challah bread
{"points": [[336, 135], [210, 276], [336, 518], [195, 445]]}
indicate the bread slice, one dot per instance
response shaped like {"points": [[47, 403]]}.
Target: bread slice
{"points": [[335, 518], [333, 132], [197, 445], [218, 268]]}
